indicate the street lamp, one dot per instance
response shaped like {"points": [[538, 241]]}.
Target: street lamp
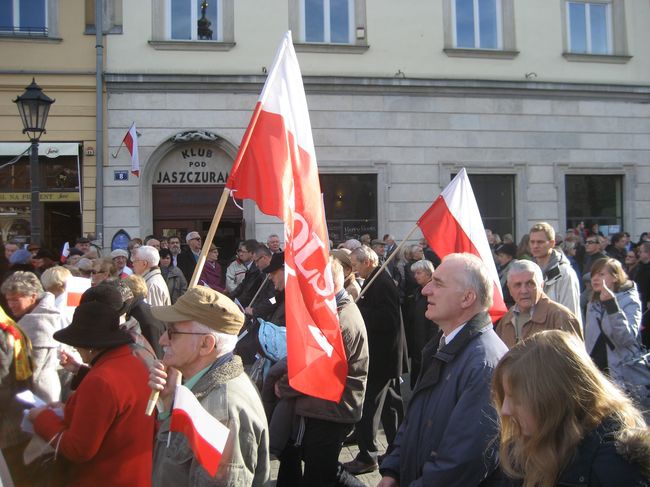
{"points": [[34, 106]]}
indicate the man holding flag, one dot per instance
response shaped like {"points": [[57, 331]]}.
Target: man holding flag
{"points": [[202, 332]]}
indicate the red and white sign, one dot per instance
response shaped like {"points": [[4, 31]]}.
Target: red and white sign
{"points": [[74, 288], [276, 167], [131, 143], [453, 224], [206, 435]]}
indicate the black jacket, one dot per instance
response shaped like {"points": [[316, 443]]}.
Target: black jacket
{"points": [[380, 309], [186, 262]]}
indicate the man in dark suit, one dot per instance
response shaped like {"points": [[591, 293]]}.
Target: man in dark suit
{"points": [[379, 307], [187, 259]]}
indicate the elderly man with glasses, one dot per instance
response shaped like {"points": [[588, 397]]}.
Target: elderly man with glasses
{"points": [[201, 336], [187, 259], [145, 264], [237, 269]]}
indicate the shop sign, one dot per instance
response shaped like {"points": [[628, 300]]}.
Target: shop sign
{"points": [[43, 197], [192, 164]]}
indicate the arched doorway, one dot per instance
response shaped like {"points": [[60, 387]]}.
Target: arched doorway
{"points": [[187, 185]]}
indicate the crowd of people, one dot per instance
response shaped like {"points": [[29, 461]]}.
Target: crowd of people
{"points": [[547, 395]]}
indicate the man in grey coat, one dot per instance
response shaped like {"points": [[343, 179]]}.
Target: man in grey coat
{"points": [[201, 336], [447, 437]]}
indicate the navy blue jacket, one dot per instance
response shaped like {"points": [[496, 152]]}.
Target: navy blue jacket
{"points": [[447, 437]]}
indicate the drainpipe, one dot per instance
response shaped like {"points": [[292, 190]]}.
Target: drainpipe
{"points": [[99, 124]]}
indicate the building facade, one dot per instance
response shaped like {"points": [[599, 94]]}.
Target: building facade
{"points": [[544, 103]]}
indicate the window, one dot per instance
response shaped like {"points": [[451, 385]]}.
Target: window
{"points": [[595, 199], [194, 20], [329, 21], [328, 25], [24, 17], [479, 28], [495, 197], [589, 27], [193, 24], [111, 16], [477, 24], [350, 205], [594, 31]]}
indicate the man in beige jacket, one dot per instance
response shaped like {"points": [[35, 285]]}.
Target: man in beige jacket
{"points": [[533, 310]]}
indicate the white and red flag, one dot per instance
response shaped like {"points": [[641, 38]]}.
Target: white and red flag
{"points": [[131, 142], [453, 224], [276, 167], [205, 434]]}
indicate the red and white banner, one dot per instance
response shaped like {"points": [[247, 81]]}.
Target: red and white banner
{"points": [[206, 435], [131, 143], [75, 286], [276, 167], [453, 224]]}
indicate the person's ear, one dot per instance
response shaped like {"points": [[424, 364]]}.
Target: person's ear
{"points": [[208, 344]]}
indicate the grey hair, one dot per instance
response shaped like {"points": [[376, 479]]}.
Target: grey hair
{"points": [[366, 254], [23, 283], [423, 265], [517, 266], [225, 343], [148, 254], [475, 277], [352, 244]]}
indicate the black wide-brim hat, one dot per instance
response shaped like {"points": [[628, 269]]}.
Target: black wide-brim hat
{"points": [[94, 325]]}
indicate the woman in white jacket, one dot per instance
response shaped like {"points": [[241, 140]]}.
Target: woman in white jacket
{"points": [[613, 318]]}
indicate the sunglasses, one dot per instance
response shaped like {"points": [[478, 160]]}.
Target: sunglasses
{"points": [[591, 242]]}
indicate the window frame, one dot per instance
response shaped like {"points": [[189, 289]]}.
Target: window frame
{"points": [[617, 34], [327, 24], [358, 29], [477, 26], [587, 18], [161, 29], [51, 29], [194, 17], [506, 39]]}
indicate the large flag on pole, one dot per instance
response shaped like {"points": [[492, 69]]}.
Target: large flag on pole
{"points": [[453, 224], [205, 434], [276, 167], [131, 142]]}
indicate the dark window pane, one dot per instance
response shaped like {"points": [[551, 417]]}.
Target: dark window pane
{"points": [[464, 23], [6, 15], [495, 197], [61, 173], [181, 17], [577, 27], [211, 13], [314, 21], [350, 204], [488, 24], [598, 23], [594, 199], [339, 21], [32, 14]]}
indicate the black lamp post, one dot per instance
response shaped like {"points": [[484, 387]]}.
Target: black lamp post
{"points": [[34, 106]]}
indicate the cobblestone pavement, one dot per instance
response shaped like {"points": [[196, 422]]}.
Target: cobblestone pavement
{"points": [[347, 453]]}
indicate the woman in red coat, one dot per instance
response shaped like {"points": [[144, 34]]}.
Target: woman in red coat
{"points": [[104, 432]]}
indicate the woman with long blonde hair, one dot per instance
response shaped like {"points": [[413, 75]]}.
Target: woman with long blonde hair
{"points": [[562, 421]]}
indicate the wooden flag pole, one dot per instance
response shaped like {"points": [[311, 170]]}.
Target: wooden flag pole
{"points": [[266, 279], [153, 397], [383, 266]]}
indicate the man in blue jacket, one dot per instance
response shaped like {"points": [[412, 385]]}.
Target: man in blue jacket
{"points": [[447, 437]]}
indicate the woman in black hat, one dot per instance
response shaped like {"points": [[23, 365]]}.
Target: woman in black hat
{"points": [[103, 431]]}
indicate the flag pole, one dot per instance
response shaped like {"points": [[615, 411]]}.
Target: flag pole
{"points": [[118, 149], [153, 397], [266, 279], [383, 266]]}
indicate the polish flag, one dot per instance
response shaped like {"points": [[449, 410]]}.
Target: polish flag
{"points": [[74, 288], [206, 435], [453, 224], [276, 167], [131, 142]]}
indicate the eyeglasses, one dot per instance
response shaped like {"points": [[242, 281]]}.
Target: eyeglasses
{"points": [[591, 242], [171, 333], [259, 258], [98, 272]]}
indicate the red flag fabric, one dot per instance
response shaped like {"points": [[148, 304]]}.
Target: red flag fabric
{"points": [[131, 142], [453, 224], [206, 435], [276, 167]]}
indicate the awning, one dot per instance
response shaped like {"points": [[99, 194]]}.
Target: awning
{"points": [[46, 149]]}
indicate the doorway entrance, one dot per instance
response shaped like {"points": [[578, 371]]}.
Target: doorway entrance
{"points": [[180, 209]]}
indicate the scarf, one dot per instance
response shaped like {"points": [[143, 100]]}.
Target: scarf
{"points": [[20, 344]]}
